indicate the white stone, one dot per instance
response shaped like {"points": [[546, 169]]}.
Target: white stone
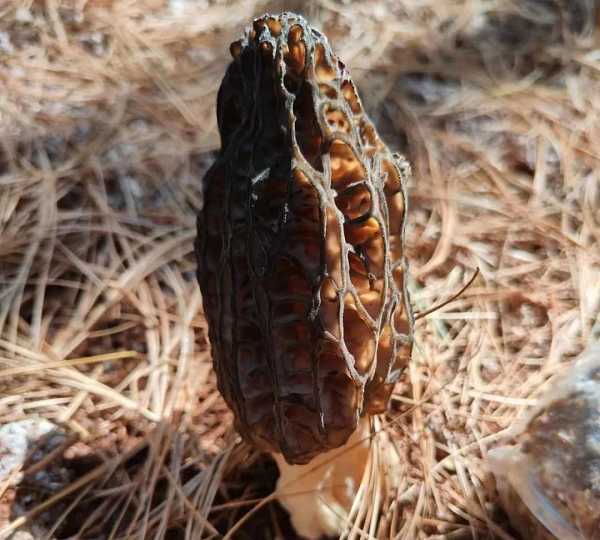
{"points": [[16, 440]]}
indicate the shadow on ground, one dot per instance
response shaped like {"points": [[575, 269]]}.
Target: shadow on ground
{"points": [[123, 486]]}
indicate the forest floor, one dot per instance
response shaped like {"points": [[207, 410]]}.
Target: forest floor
{"points": [[108, 403]]}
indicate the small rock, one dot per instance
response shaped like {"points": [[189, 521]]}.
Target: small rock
{"points": [[23, 15], [549, 481], [16, 441], [6, 46]]}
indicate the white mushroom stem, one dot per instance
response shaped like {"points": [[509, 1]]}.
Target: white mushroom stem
{"points": [[320, 496]]}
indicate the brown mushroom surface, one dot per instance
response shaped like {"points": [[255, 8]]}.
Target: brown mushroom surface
{"points": [[300, 246]]}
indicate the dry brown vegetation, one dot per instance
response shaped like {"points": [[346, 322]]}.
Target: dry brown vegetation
{"points": [[107, 125]]}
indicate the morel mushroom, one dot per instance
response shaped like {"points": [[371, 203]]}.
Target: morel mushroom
{"points": [[549, 481], [300, 248]]}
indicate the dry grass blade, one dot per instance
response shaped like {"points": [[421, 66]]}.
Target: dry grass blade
{"points": [[106, 127]]}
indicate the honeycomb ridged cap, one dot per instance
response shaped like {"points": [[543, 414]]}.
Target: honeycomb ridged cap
{"points": [[300, 246]]}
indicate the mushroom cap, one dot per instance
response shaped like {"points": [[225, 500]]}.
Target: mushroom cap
{"points": [[300, 246]]}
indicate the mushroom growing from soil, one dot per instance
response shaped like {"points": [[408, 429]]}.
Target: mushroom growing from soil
{"points": [[549, 480], [301, 266]]}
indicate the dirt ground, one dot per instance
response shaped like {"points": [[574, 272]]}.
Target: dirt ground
{"points": [[107, 125]]}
